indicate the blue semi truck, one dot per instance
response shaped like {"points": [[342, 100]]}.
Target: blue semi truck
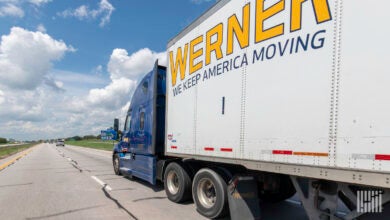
{"points": [[141, 154], [142, 141], [249, 109]]}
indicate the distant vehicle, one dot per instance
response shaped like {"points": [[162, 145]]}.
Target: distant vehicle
{"points": [[60, 142], [292, 95]]}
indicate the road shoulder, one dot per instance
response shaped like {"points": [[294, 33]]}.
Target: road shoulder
{"points": [[8, 161]]}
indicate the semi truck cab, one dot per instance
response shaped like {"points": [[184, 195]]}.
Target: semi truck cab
{"points": [[142, 142]]}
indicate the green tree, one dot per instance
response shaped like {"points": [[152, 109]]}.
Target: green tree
{"points": [[77, 138], [89, 137], [3, 140]]}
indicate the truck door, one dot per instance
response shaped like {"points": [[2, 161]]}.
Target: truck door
{"points": [[125, 157], [139, 141]]}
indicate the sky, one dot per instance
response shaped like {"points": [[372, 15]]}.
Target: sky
{"points": [[69, 67]]}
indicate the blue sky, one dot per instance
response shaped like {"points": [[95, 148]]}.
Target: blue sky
{"points": [[62, 62], [133, 25]]}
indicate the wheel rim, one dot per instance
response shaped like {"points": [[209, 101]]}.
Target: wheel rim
{"points": [[116, 164], [206, 193], [173, 182]]}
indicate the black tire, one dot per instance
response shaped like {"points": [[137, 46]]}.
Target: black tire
{"points": [[177, 183], [115, 163], [211, 200]]}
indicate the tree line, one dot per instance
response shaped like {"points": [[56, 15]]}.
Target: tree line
{"points": [[80, 138]]}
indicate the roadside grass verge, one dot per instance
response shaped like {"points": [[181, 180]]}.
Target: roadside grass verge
{"points": [[11, 150], [96, 144]]}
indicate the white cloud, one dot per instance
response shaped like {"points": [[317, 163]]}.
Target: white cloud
{"points": [[125, 70], [80, 12], [200, 1], [39, 2], [83, 12], [106, 9], [54, 84], [41, 28], [88, 103], [98, 70], [26, 57], [11, 10], [135, 65], [27, 105], [2, 99], [14, 8], [113, 96], [79, 79]]}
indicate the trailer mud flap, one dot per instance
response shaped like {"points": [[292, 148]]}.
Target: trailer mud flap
{"points": [[243, 198]]}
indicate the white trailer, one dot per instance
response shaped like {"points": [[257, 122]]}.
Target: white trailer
{"points": [[293, 87]]}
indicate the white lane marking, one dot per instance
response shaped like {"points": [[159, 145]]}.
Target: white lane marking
{"points": [[101, 183]]}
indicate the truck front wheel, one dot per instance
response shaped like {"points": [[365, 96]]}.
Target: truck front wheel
{"points": [[177, 183], [210, 194], [115, 163]]}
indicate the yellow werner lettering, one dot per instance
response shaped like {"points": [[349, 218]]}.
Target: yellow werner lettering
{"points": [[198, 52], [321, 10], [296, 14], [262, 15], [241, 32], [195, 54], [215, 46], [181, 63]]}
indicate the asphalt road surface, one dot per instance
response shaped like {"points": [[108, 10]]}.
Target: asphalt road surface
{"points": [[79, 183]]}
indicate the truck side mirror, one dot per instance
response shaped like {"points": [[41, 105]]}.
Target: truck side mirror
{"points": [[116, 124]]}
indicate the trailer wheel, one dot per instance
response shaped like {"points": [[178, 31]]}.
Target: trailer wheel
{"points": [[115, 163], [177, 183], [209, 191]]}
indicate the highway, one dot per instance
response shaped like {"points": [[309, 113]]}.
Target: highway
{"points": [[79, 183]]}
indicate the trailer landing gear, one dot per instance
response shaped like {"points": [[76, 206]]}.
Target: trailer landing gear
{"points": [[320, 199]]}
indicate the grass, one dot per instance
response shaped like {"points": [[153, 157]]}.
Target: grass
{"points": [[96, 144], [8, 151]]}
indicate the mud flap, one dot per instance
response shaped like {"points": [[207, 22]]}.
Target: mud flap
{"points": [[243, 198]]}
